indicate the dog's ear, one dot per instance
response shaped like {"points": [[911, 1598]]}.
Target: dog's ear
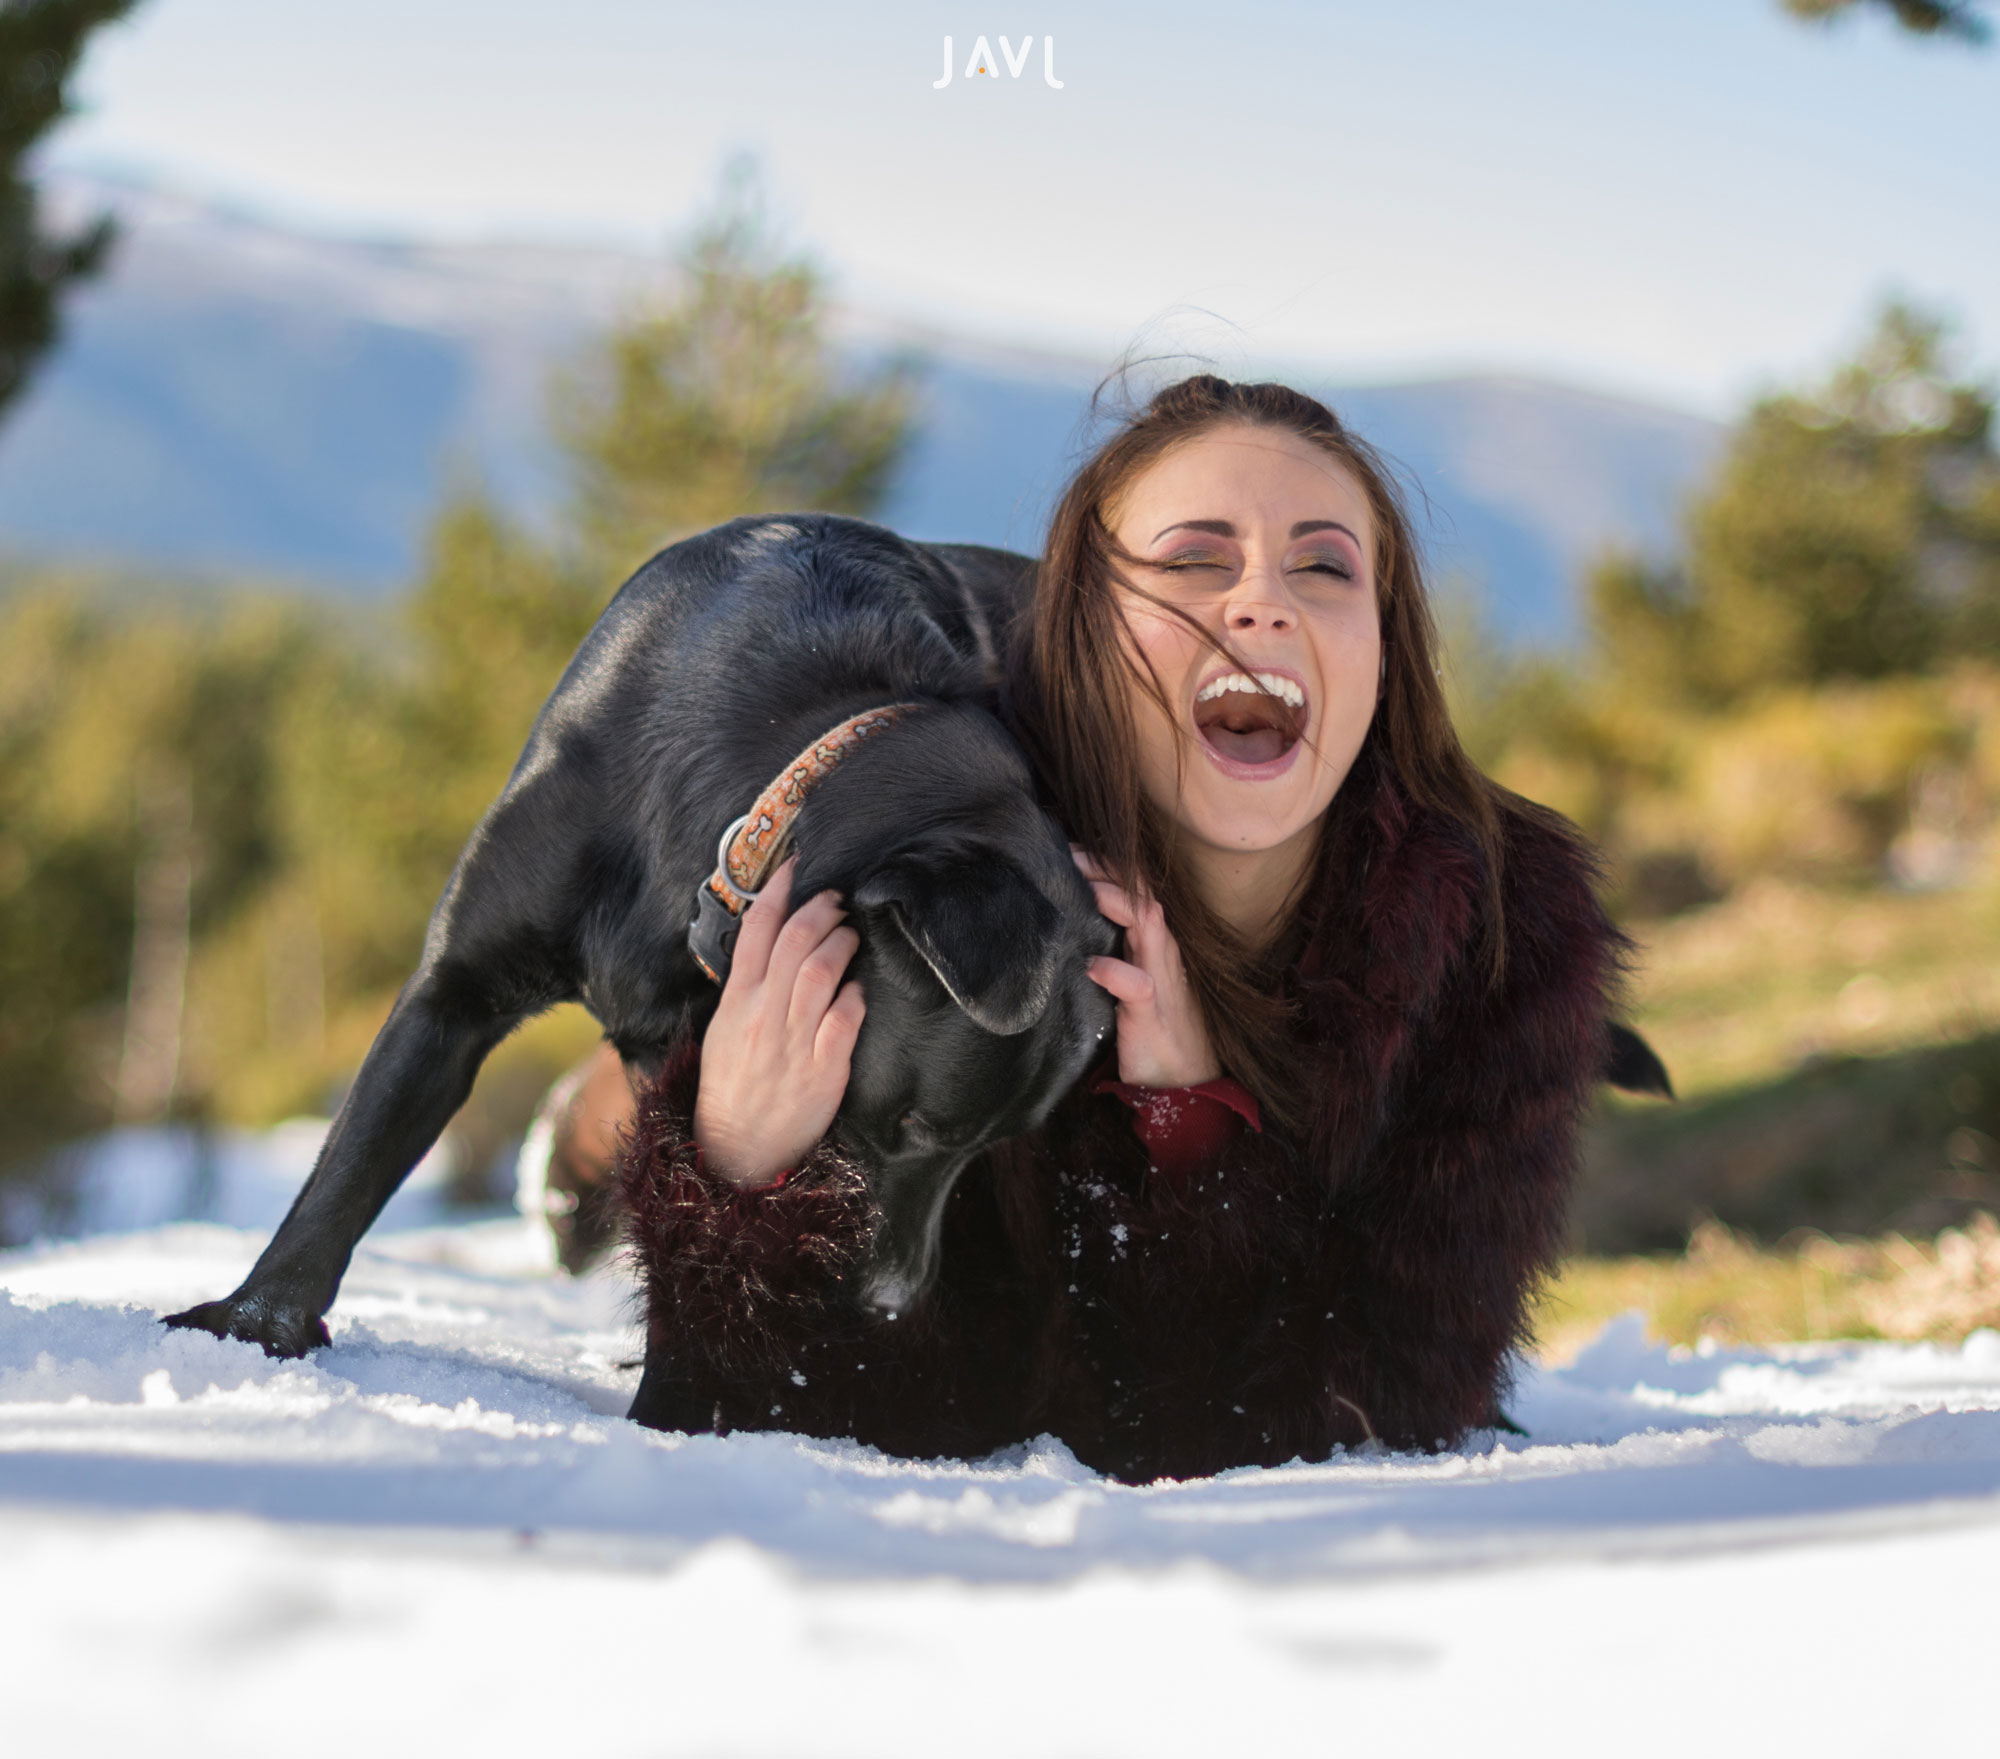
{"points": [[981, 925]]}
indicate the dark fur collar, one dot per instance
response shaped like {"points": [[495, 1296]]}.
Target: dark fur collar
{"points": [[1400, 934]]}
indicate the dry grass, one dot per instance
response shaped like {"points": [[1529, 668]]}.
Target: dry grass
{"points": [[1726, 1288], [1744, 991]]}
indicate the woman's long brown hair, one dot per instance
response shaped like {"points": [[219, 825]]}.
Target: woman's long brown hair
{"points": [[1073, 673]]}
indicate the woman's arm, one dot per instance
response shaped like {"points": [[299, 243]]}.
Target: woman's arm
{"points": [[747, 1217], [738, 1279]]}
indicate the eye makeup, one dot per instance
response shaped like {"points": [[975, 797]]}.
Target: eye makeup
{"points": [[1331, 562]]}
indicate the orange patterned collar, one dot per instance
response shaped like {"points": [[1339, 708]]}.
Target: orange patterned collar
{"points": [[755, 843]]}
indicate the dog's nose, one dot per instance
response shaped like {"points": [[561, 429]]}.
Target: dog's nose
{"points": [[891, 1291]]}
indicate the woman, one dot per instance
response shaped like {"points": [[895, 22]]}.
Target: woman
{"points": [[1360, 1009]]}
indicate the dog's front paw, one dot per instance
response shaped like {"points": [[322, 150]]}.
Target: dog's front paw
{"points": [[278, 1328]]}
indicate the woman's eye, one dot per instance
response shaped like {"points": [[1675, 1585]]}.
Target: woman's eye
{"points": [[1326, 565]]}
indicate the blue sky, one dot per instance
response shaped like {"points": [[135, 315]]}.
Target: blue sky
{"points": [[1687, 199]]}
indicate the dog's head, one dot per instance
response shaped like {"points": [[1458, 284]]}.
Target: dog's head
{"points": [[976, 931], [980, 1017]]}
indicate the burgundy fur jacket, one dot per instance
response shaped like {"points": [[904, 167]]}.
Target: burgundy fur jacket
{"points": [[1365, 1281]]}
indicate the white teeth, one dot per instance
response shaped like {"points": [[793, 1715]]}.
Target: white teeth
{"points": [[1263, 683]]}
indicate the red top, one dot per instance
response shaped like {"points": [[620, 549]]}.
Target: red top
{"points": [[1185, 1129]]}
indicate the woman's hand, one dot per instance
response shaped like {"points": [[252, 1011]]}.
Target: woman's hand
{"points": [[1161, 1039], [775, 1059]]}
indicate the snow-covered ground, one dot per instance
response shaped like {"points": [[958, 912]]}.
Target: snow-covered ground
{"points": [[441, 1530]]}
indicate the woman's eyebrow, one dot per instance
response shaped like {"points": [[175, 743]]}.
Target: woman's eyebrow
{"points": [[1222, 528]]}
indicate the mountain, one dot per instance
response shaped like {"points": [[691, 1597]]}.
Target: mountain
{"points": [[237, 398]]}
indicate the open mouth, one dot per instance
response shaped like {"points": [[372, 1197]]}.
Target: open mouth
{"points": [[1251, 718]]}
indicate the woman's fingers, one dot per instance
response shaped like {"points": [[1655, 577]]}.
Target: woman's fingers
{"points": [[1128, 983], [1114, 903], [1127, 906], [819, 977], [799, 940], [761, 925], [1101, 881], [1100, 877], [1162, 1041], [839, 1027], [1144, 923]]}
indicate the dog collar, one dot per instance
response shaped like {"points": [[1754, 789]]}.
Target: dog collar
{"points": [[752, 845]]}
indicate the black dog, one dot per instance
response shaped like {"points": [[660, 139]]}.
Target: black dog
{"points": [[717, 665]]}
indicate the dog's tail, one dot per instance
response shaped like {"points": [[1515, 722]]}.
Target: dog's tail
{"points": [[1632, 1065]]}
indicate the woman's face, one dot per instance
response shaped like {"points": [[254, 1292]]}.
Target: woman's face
{"points": [[1267, 543]]}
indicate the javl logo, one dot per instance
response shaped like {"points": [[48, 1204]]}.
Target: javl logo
{"points": [[983, 62]]}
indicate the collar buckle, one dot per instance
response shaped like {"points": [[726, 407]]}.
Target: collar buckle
{"points": [[751, 846]]}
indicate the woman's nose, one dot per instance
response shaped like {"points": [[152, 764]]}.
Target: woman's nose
{"points": [[1259, 603]]}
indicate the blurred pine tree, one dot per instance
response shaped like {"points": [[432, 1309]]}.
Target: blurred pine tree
{"points": [[1852, 532], [1952, 18], [1785, 697], [40, 44], [141, 813], [726, 398]]}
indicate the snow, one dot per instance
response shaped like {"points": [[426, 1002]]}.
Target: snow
{"points": [[441, 1527]]}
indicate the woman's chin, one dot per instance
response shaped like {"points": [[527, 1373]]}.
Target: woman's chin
{"points": [[1241, 828]]}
